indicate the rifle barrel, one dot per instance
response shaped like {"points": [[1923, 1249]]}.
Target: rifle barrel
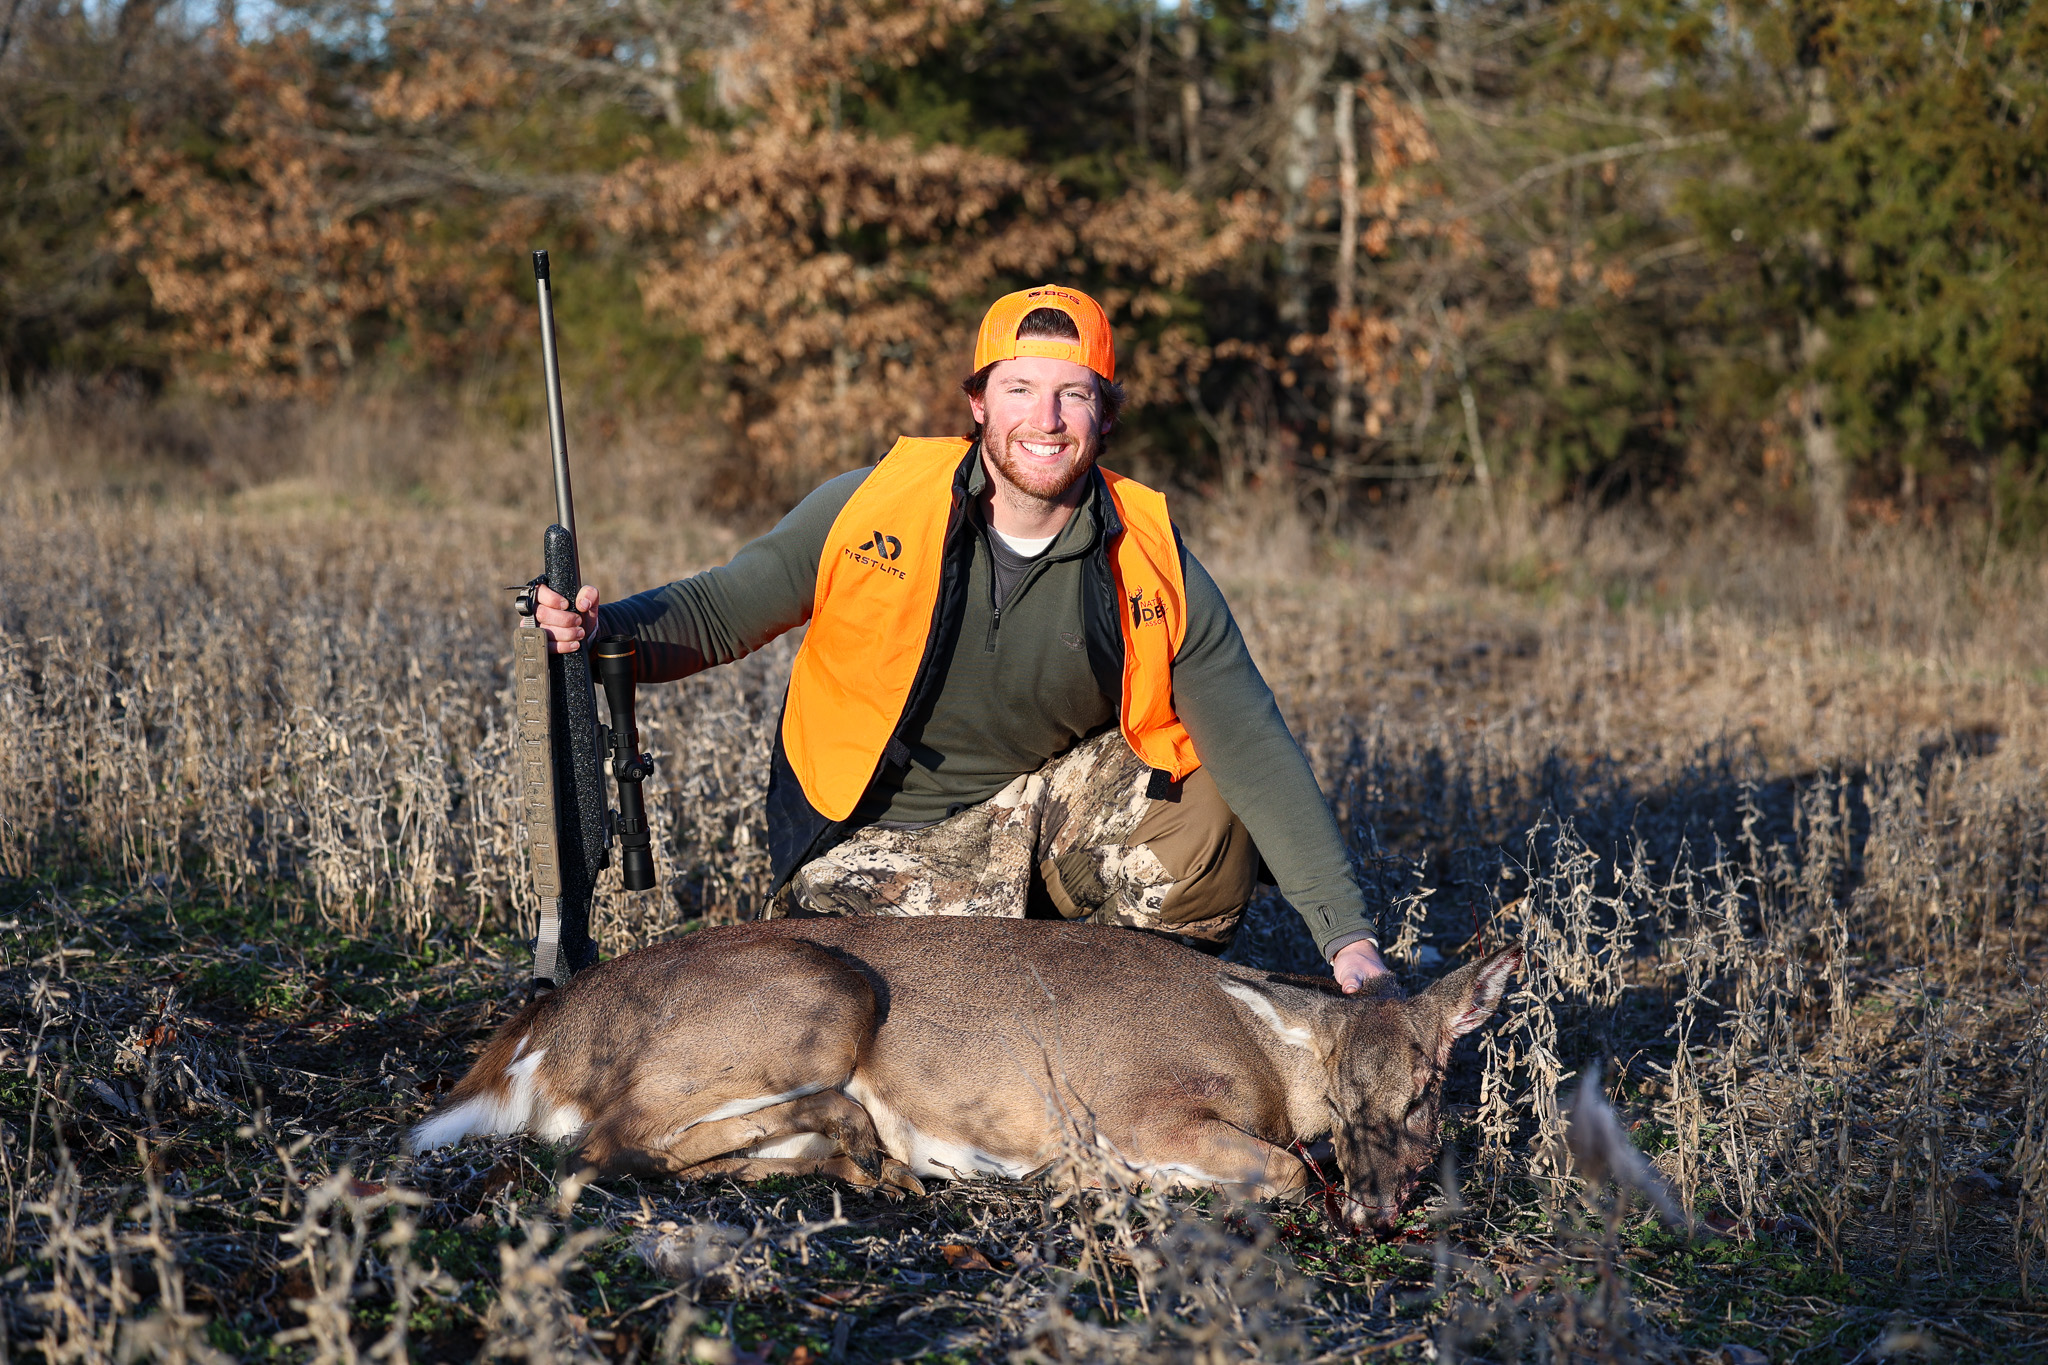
{"points": [[558, 434]]}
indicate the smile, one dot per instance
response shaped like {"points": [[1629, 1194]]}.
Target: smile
{"points": [[1042, 450]]}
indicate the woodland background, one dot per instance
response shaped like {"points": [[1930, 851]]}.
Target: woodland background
{"points": [[1775, 257]]}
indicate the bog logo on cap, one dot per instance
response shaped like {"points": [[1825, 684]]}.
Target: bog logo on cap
{"points": [[998, 340]]}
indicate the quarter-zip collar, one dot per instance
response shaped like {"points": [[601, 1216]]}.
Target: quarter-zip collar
{"points": [[1079, 537], [1094, 522]]}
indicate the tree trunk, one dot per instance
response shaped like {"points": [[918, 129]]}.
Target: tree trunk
{"points": [[7, 29], [1827, 475], [1468, 402], [1189, 38], [1141, 73], [1344, 124], [668, 62], [1297, 160]]}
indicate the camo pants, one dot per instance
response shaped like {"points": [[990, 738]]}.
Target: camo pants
{"points": [[1079, 838]]}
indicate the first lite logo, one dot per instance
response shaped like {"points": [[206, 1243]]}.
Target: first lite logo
{"points": [[875, 556]]}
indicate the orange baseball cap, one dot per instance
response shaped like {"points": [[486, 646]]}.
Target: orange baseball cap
{"points": [[998, 340]]}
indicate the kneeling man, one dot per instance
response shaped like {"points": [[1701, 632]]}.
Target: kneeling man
{"points": [[1018, 688]]}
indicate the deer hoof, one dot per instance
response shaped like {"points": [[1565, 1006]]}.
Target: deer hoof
{"points": [[897, 1179]]}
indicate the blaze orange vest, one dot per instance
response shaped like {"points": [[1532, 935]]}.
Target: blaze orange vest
{"points": [[879, 581]]}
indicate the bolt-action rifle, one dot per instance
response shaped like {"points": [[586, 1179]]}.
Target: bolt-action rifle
{"points": [[569, 823]]}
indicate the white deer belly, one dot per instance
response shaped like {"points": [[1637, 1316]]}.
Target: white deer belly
{"points": [[928, 1153]]}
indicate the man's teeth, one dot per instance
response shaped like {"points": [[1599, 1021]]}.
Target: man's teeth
{"points": [[1043, 451]]}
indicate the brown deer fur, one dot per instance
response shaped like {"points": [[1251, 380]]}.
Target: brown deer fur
{"points": [[885, 1049]]}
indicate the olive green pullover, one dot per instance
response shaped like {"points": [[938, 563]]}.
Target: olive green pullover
{"points": [[1018, 690]]}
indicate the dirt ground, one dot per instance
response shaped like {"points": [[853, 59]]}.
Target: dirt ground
{"points": [[1773, 827]]}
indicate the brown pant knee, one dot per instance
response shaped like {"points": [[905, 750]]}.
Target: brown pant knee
{"points": [[1205, 850], [1210, 853]]}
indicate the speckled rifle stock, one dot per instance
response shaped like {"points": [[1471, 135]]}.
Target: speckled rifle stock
{"points": [[580, 804]]}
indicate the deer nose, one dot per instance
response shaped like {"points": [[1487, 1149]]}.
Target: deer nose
{"points": [[1370, 1213], [1371, 1216], [1375, 1211]]}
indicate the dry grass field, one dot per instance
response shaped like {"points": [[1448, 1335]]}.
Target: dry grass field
{"points": [[1775, 828]]}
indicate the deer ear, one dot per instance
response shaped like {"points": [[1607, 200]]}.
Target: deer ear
{"points": [[1468, 997]]}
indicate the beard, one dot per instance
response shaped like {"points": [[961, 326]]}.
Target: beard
{"points": [[1034, 479]]}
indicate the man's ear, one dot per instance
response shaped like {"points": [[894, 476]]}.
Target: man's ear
{"points": [[977, 403], [1467, 997]]}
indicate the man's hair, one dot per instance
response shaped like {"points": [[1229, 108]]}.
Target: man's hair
{"points": [[1051, 324]]}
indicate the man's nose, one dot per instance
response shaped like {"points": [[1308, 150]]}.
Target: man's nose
{"points": [[1045, 412]]}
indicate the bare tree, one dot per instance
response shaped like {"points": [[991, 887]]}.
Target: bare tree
{"points": [[1188, 39], [1300, 119]]}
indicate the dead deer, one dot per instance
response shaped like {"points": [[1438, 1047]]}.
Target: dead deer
{"points": [[880, 1050]]}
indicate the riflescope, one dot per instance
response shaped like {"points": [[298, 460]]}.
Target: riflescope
{"points": [[614, 658]]}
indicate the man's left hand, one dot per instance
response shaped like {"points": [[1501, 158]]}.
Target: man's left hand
{"points": [[1358, 965]]}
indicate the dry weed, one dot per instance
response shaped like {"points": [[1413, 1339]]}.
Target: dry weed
{"points": [[1774, 832]]}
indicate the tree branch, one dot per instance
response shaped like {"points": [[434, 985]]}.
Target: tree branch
{"points": [[1601, 156]]}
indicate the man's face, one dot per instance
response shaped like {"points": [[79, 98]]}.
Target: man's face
{"points": [[1042, 423]]}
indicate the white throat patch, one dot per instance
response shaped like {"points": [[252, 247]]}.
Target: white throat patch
{"points": [[1292, 1034]]}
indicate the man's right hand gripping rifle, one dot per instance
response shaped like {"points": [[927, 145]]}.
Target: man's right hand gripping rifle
{"points": [[1018, 693], [567, 628]]}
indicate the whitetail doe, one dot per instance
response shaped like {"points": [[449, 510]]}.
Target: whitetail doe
{"points": [[881, 1050]]}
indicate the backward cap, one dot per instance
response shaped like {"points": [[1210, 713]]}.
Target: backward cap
{"points": [[998, 340]]}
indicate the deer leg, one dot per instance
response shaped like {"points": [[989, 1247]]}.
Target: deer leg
{"points": [[893, 1175], [1212, 1152], [622, 1144], [840, 1118], [613, 1149], [861, 1160]]}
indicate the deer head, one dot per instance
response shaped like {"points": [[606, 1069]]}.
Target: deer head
{"points": [[1387, 1083]]}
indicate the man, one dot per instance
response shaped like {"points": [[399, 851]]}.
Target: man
{"points": [[1018, 691]]}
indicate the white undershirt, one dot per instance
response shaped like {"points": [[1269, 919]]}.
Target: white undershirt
{"points": [[1029, 547]]}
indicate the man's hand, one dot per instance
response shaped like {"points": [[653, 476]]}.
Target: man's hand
{"points": [[1358, 965], [566, 629]]}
